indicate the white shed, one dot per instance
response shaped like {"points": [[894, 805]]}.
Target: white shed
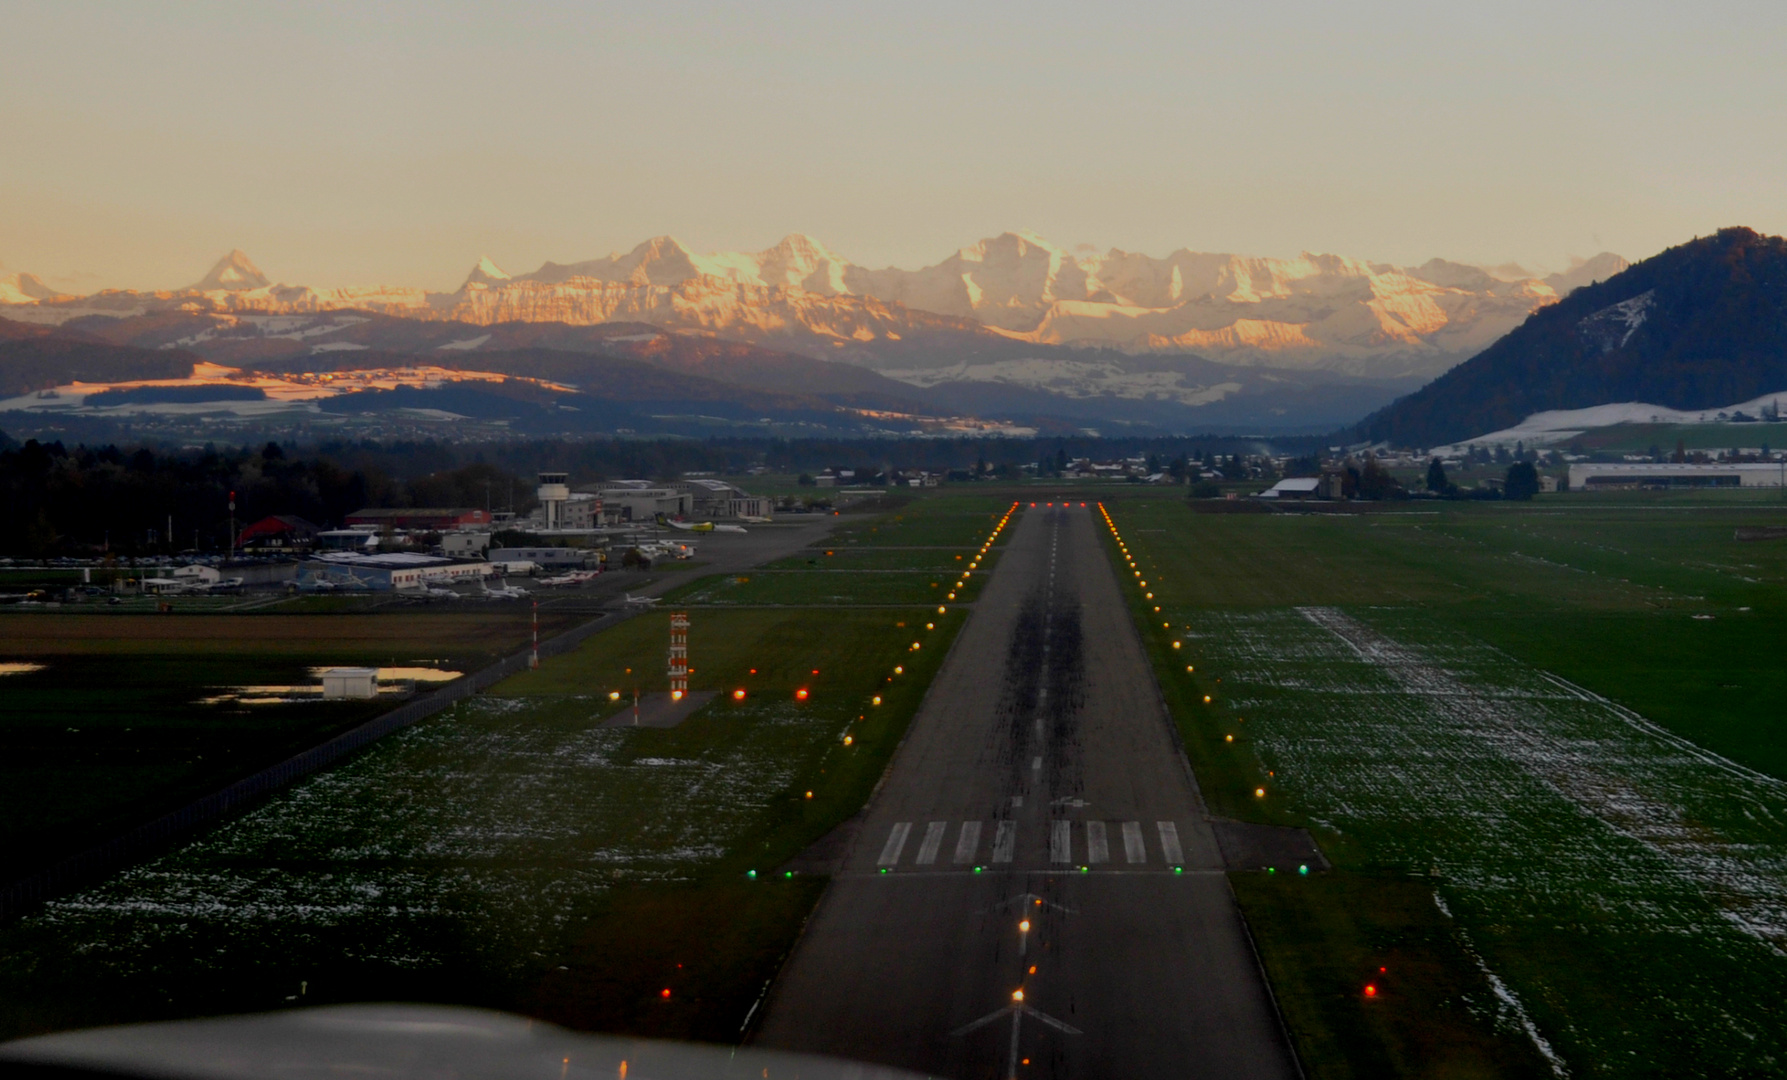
{"points": [[345, 683]]}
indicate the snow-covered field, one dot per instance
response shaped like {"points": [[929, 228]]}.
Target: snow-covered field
{"points": [[1625, 890], [493, 827]]}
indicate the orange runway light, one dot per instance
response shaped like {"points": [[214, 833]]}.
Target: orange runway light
{"points": [[1024, 926], [809, 794], [876, 700], [898, 670], [848, 740], [801, 694], [738, 695], [1206, 699], [1016, 995], [1259, 792], [1228, 738]]}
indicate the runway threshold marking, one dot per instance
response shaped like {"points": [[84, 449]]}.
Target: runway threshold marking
{"points": [[968, 842], [896, 843], [927, 849], [1098, 848], [1133, 849], [1005, 839], [1169, 842], [1061, 842]]}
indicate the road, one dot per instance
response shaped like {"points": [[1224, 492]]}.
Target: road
{"points": [[1039, 781]]}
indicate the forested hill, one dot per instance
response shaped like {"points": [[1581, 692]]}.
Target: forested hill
{"points": [[1699, 326]]}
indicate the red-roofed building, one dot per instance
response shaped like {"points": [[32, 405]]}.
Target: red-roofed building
{"points": [[426, 518]]}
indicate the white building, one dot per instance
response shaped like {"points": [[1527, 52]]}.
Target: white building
{"points": [[1629, 475], [348, 683]]}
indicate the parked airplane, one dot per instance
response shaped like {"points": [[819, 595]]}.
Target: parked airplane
{"points": [[698, 526], [506, 592], [575, 577], [639, 601]]}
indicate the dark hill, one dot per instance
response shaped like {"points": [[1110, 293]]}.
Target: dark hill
{"points": [[35, 358], [1699, 326]]}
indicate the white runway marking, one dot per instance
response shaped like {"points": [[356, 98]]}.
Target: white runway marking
{"points": [[1169, 843], [1098, 848], [1061, 841], [968, 842], [1004, 840], [927, 849], [896, 843], [1133, 849], [1036, 763]]}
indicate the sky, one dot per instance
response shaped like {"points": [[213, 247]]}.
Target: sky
{"points": [[395, 143]]}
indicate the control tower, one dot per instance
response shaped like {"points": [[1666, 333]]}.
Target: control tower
{"points": [[553, 493]]}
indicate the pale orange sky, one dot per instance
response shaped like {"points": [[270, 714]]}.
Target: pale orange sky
{"points": [[395, 143]]}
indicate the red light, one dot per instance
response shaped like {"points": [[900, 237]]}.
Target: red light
{"points": [[738, 695], [801, 694], [665, 993], [1382, 970], [1370, 990], [815, 671]]}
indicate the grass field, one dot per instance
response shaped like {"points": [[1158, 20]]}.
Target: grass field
{"points": [[111, 729], [514, 853], [1504, 722]]}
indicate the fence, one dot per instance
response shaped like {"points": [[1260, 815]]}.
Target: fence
{"points": [[155, 837]]}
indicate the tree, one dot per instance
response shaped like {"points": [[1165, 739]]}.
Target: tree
{"points": [[1375, 481], [1436, 477], [1522, 481]]}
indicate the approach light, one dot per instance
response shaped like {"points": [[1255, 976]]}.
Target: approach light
{"points": [[1016, 995], [876, 700], [1189, 669], [848, 740], [1259, 792], [898, 670], [1206, 699], [738, 695], [614, 695], [1157, 609], [1150, 596], [676, 695], [952, 596], [809, 794], [1024, 926], [930, 626], [1176, 644], [915, 646], [1228, 738], [939, 611]]}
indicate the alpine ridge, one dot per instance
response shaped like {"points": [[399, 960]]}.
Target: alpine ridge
{"points": [[1314, 312]]}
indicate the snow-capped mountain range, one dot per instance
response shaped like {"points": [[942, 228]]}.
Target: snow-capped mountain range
{"points": [[1314, 312]]}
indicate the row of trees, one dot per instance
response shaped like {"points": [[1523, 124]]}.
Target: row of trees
{"points": [[84, 500]]}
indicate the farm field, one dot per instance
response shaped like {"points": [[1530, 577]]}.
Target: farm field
{"points": [[1536, 740], [513, 852], [110, 725]]}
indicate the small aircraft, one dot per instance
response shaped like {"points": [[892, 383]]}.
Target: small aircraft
{"points": [[698, 526], [575, 577], [506, 592], [639, 601], [437, 593]]}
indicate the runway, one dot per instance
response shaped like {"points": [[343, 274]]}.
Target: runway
{"points": [[1035, 891]]}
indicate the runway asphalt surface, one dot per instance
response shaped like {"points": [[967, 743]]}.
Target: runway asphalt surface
{"points": [[1040, 781]]}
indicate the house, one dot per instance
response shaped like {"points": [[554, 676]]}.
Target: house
{"points": [[281, 532]]}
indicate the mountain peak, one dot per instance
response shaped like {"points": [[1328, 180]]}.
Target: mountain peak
{"points": [[234, 272], [486, 273]]}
